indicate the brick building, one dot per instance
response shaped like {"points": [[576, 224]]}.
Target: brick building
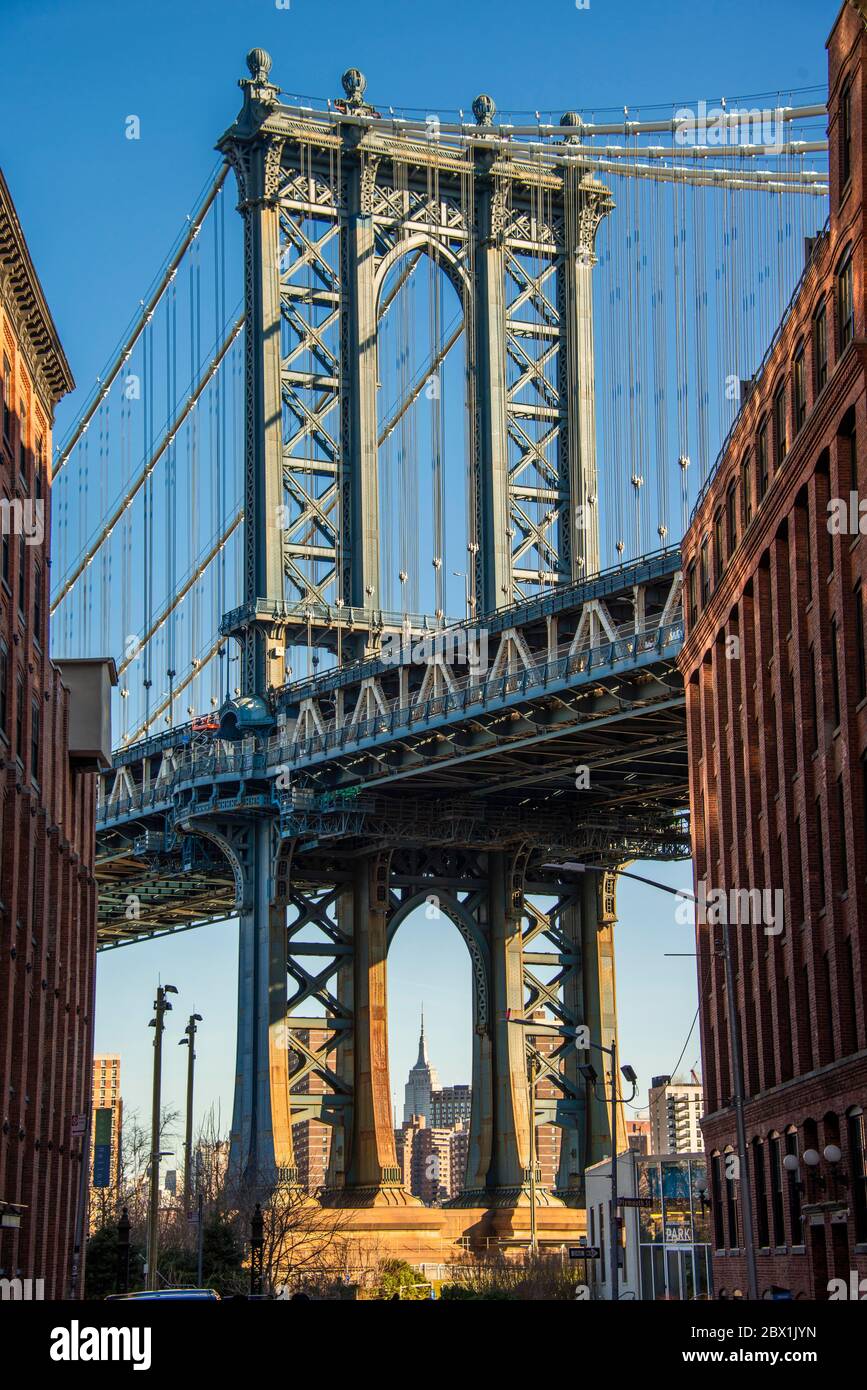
{"points": [[48, 740], [311, 1138], [775, 672]]}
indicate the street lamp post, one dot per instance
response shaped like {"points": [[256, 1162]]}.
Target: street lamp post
{"points": [[738, 1097], [189, 1040], [161, 1008]]}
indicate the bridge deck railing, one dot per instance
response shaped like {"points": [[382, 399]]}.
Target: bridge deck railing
{"points": [[251, 760]]}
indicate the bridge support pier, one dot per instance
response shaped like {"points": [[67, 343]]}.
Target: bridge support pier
{"points": [[261, 1137], [373, 1177]]}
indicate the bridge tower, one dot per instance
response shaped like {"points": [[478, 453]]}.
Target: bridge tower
{"points": [[331, 201]]}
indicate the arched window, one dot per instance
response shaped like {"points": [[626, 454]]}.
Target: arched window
{"points": [[857, 1127], [820, 348], [780, 432], [799, 389], [762, 454], [845, 302], [845, 136]]}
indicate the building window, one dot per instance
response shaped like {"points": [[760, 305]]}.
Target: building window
{"points": [[719, 1239], [4, 688], [845, 303], [835, 674], [844, 852], [799, 390], [820, 851], [858, 1165], [845, 136], [37, 603], [732, 1211], [4, 556], [780, 442], [797, 1235], [7, 400], [762, 449], [820, 349], [860, 639], [718, 547], [22, 441], [762, 1229], [814, 691], [34, 740], [19, 716], [732, 517], [38, 465], [22, 571], [746, 491], [691, 595], [775, 1159], [705, 573]]}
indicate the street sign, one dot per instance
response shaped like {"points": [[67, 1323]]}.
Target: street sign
{"points": [[584, 1252], [78, 1126], [635, 1201]]}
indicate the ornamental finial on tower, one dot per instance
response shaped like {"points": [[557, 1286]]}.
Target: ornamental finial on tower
{"points": [[572, 122], [484, 109], [354, 84], [259, 64]]}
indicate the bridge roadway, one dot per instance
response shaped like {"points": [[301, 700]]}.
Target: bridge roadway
{"points": [[557, 724]]}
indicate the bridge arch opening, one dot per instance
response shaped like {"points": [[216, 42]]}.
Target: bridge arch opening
{"points": [[422, 431], [428, 984]]}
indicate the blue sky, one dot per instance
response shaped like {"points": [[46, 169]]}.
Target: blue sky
{"points": [[99, 212]]}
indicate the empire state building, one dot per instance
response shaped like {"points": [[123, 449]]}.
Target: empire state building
{"points": [[423, 1079]]}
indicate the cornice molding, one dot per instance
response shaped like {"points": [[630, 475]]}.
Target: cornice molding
{"points": [[19, 274]]}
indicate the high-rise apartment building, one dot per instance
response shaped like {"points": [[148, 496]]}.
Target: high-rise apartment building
{"points": [[675, 1116], [451, 1106], [106, 1139]]}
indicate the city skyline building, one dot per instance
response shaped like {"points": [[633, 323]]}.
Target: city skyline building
{"points": [[422, 1081]]}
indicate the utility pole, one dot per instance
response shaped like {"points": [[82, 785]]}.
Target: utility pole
{"points": [[189, 1040], [161, 1008], [614, 1232]]}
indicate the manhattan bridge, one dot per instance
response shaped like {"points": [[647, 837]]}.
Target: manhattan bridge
{"points": [[377, 508]]}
